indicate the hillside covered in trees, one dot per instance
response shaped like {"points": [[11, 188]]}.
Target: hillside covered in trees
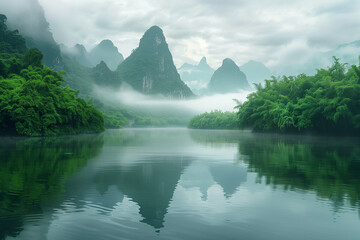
{"points": [[32, 100], [326, 103]]}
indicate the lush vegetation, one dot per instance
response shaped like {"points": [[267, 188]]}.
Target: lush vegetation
{"points": [[11, 43], [327, 103], [32, 100], [214, 120]]}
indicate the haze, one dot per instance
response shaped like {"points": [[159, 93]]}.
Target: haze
{"points": [[278, 33], [158, 105]]}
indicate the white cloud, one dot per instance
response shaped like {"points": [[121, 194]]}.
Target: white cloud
{"points": [[241, 30]]}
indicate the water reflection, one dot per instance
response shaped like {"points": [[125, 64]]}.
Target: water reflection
{"points": [[229, 177], [34, 170], [150, 184], [178, 184], [141, 166], [328, 166]]}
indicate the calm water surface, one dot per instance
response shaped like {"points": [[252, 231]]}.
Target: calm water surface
{"points": [[179, 184]]}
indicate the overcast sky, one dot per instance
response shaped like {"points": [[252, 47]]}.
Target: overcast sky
{"points": [[275, 32]]}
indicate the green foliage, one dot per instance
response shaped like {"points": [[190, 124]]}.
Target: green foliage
{"points": [[327, 103], [214, 120], [11, 43], [151, 121], [33, 103], [32, 100], [33, 58]]}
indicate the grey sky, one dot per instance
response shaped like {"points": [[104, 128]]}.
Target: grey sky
{"points": [[275, 32]]}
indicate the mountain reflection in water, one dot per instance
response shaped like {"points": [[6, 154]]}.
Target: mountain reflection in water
{"points": [[178, 183]]}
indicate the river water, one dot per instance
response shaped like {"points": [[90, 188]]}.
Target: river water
{"points": [[179, 184]]}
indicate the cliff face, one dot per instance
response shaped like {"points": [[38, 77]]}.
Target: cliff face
{"points": [[228, 78], [150, 68]]}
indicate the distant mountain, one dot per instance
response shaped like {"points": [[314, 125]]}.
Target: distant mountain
{"points": [[78, 52], [150, 68], [228, 78], [29, 18], [107, 52], [101, 74], [348, 52], [196, 76], [256, 72]]}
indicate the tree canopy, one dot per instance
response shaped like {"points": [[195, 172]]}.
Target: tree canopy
{"points": [[33, 102], [326, 103], [12, 44], [214, 120]]}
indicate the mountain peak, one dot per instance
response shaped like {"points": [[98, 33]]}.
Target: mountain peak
{"points": [[80, 48], [203, 61], [153, 37], [228, 78], [106, 43], [228, 61], [157, 74], [106, 51], [204, 66], [102, 64], [155, 28]]}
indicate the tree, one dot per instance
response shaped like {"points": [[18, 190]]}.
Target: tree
{"points": [[33, 58], [326, 103]]}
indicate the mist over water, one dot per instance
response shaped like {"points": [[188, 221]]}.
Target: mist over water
{"points": [[127, 97]]}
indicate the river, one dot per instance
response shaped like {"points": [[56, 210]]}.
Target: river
{"points": [[179, 184]]}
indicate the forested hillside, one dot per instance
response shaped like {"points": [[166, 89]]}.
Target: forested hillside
{"points": [[32, 99], [326, 103]]}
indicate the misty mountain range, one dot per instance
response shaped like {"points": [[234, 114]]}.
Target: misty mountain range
{"points": [[104, 51], [198, 76], [150, 68], [257, 72]]}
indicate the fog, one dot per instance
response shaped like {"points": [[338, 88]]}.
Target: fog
{"points": [[28, 17], [287, 46], [159, 105]]}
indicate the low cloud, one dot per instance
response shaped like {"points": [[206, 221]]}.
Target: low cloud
{"points": [[127, 97]]}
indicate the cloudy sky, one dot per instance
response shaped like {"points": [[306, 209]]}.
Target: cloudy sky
{"points": [[275, 32]]}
